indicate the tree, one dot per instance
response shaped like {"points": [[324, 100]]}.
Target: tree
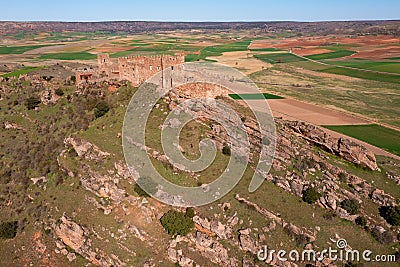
{"points": [[350, 205], [177, 223], [8, 230], [101, 108], [391, 214], [361, 221], [32, 102], [310, 195]]}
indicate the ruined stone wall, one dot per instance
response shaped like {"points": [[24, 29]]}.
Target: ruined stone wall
{"points": [[200, 90], [136, 69]]}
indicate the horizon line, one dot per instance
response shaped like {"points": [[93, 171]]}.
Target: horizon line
{"points": [[199, 21]]}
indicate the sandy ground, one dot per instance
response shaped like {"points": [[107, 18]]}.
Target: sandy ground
{"points": [[242, 60]]}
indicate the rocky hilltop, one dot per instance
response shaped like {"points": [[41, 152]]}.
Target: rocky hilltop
{"points": [[67, 190]]}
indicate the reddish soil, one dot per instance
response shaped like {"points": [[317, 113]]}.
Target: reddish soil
{"points": [[378, 53], [368, 47], [310, 51]]}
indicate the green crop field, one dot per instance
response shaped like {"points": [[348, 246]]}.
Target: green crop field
{"points": [[217, 50], [274, 58], [22, 71], [337, 47], [364, 74], [69, 56], [254, 96], [383, 66], [335, 54], [373, 134], [18, 49]]}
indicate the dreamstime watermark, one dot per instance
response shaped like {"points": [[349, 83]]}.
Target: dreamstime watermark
{"points": [[155, 89], [341, 253]]}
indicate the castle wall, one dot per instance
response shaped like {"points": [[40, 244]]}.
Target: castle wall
{"points": [[136, 69]]}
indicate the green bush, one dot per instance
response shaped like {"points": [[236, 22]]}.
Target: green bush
{"points": [[32, 102], [391, 214], [59, 92], [8, 230], [361, 221], [350, 205], [310, 195], [177, 223], [101, 108], [226, 150]]}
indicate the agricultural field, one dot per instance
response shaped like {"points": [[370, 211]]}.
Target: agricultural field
{"points": [[18, 49], [374, 134], [69, 56], [278, 57], [63, 162], [254, 96], [381, 66], [330, 55]]}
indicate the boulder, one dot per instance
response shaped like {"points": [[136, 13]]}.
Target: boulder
{"points": [[71, 233]]}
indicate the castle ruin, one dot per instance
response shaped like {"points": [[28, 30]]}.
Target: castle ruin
{"points": [[135, 69]]}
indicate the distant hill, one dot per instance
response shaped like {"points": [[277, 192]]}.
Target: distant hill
{"points": [[302, 28]]}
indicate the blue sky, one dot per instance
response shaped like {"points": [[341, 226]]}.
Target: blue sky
{"points": [[195, 10]]}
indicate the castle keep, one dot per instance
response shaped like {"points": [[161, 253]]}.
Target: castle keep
{"points": [[135, 69]]}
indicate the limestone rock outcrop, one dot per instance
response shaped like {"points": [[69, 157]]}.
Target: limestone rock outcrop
{"points": [[342, 147]]}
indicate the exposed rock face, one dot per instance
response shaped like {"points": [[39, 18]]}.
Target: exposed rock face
{"points": [[85, 150], [77, 238], [381, 198], [221, 230], [344, 148], [213, 250], [247, 243], [101, 185], [71, 233]]}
